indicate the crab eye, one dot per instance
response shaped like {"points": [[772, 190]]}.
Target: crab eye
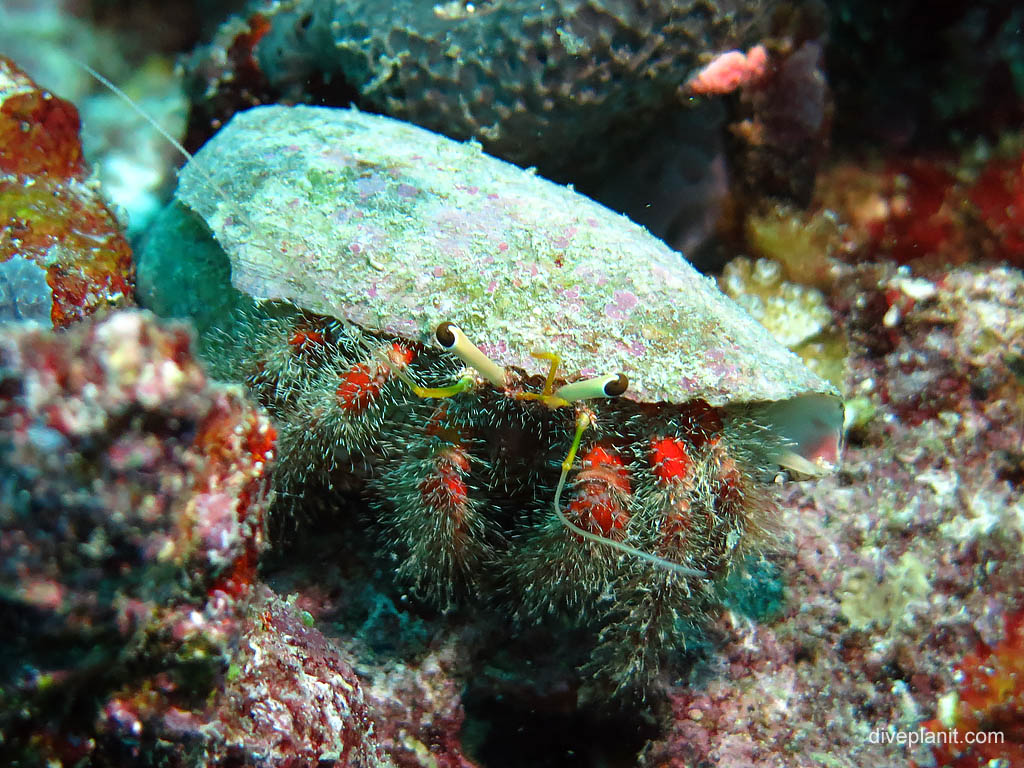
{"points": [[445, 334], [451, 338], [616, 386]]}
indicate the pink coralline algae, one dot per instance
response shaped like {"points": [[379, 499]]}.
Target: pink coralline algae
{"points": [[729, 72], [902, 565], [131, 519]]}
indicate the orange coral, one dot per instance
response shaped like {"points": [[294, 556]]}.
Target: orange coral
{"points": [[50, 215], [991, 701]]}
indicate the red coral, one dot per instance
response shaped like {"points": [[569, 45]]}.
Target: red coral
{"points": [[998, 196], [991, 695], [48, 213], [921, 223]]}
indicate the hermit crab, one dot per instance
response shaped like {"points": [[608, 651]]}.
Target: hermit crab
{"points": [[540, 400]]}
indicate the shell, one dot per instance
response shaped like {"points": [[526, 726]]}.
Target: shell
{"points": [[397, 229]]}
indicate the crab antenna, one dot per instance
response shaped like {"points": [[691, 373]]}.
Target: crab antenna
{"points": [[152, 122], [609, 385], [139, 110], [451, 338], [583, 421]]}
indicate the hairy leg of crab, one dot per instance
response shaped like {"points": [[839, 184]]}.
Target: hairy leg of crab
{"points": [[433, 512], [338, 418], [330, 394], [275, 352], [695, 506], [648, 621], [562, 568]]}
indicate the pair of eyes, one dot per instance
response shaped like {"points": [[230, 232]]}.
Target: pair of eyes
{"points": [[452, 339]]}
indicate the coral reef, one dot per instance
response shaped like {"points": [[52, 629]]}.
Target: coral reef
{"points": [[419, 711], [782, 127], [730, 71], [930, 211], [336, 583], [791, 312], [50, 215], [899, 566], [548, 86], [133, 508], [132, 517], [795, 312]]}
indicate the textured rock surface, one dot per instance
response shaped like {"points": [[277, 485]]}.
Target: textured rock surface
{"points": [[131, 517], [50, 215], [128, 43], [548, 85], [291, 697], [426, 230], [902, 564]]}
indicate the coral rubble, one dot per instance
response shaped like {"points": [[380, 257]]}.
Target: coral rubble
{"points": [[132, 513], [988, 702], [901, 565]]}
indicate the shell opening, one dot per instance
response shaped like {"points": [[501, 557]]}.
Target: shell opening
{"points": [[811, 427]]}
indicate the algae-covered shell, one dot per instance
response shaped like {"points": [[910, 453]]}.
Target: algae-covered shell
{"points": [[398, 229]]}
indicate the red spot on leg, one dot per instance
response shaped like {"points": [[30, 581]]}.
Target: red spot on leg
{"points": [[674, 468], [445, 489], [671, 460], [362, 383], [602, 484], [360, 386], [400, 356], [306, 339]]}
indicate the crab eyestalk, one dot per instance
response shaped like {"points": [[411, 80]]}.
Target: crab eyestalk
{"points": [[609, 385], [452, 339]]}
